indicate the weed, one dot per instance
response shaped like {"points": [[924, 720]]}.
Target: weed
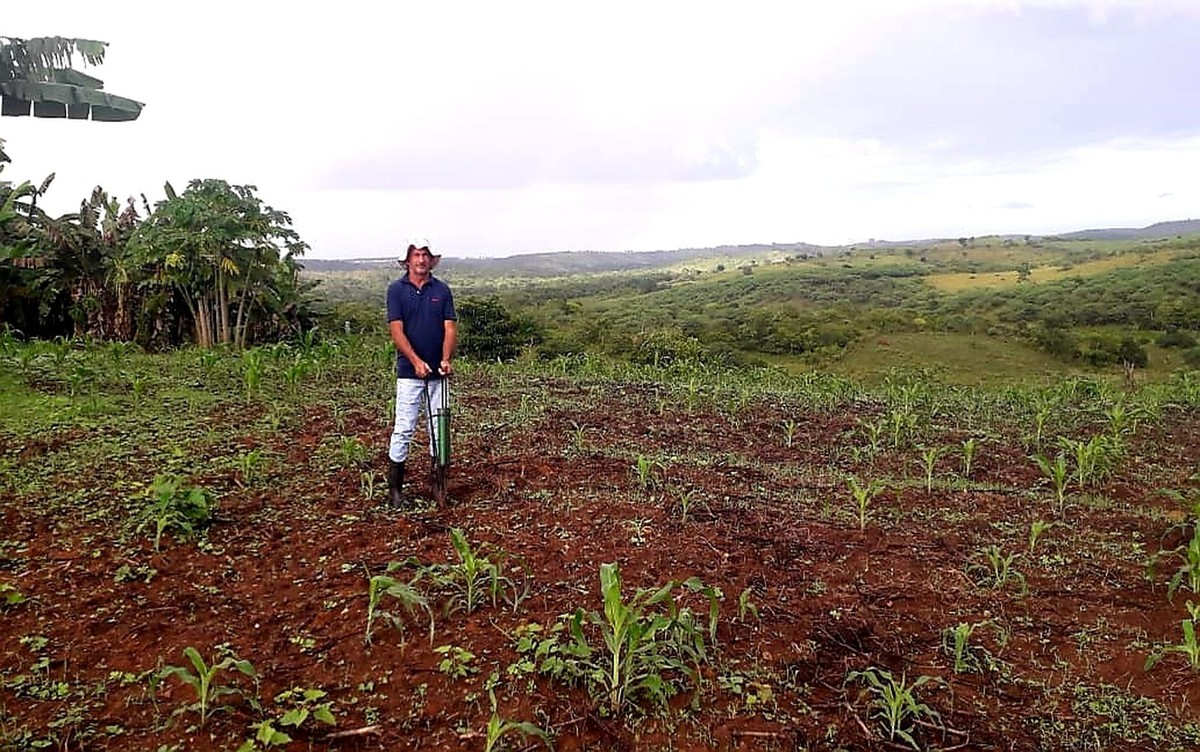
{"points": [[299, 706], [175, 506], [456, 662]]}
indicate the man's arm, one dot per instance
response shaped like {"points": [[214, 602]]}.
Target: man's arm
{"points": [[406, 349], [449, 343]]}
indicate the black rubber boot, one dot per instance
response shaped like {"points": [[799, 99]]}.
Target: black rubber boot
{"points": [[396, 485]]}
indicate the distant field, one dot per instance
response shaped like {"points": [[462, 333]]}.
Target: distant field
{"points": [[955, 358], [960, 281]]}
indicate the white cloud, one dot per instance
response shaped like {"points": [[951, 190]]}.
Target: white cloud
{"points": [[529, 126]]}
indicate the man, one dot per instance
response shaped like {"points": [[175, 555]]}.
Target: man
{"points": [[424, 330]]}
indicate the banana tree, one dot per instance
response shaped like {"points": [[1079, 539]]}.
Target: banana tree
{"points": [[36, 78]]}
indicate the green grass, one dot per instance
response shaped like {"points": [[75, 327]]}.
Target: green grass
{"points": [[955, 358]]}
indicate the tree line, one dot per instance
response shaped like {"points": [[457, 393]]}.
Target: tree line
{"points": [[211, 265]]}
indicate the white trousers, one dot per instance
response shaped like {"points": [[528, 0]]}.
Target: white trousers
{"points": [[414, 397]]}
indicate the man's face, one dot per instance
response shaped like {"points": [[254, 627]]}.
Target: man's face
{"points": [[418, 260]]}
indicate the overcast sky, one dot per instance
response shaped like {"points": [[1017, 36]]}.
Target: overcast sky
{"points": [[496, 128]]}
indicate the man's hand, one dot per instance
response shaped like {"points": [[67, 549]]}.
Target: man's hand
{"points": [[422, 368], [445, 368]]}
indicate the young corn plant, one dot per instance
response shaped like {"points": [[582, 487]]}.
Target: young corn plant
{"points": [[929, 458], [1037, 529], [647, 473], [863, 495], [789, 432], [1188, 572], [1189, 647], [956, 643], [475, 580], [996, 570], [895, 703], [403, 593], [969, 448], [874, 432], [252, 370], [249, 465], [352, 451], [202, 678], [498, 728], [645, 641], [1056, 471], [687, 500]]}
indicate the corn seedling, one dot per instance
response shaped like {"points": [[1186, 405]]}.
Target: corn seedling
{"points": [[789, 432], [368, 481], [873, 430], [686, 499], [645, 639], [1188, 571], [746, 606], [295, 373], [996, 570], [895, 702], [1119, 420], [498, 728], [863, 496], [252, 370], [956, 643], [201, 677], [476, 579], [1093, 457], [409, 598], [929, 458], [249, 466], [903, 424], [647, 473], [1036, 529], [578, 437], [352, 451], [1056, 471], [1190, 647], [175, 506], [969, 448]]}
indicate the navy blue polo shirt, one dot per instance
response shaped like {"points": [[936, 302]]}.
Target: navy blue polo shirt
{"points": [[424, 312]]}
